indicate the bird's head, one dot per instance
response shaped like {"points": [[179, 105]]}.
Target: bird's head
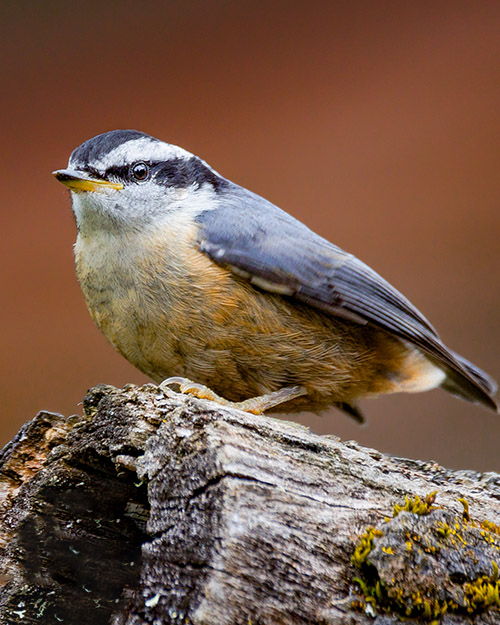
{"points": [[125, 179]]}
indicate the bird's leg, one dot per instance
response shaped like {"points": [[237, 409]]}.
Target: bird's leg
{"points": [[258, 405], [254, 405]]}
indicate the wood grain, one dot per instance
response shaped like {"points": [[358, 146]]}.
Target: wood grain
{"points": [[155, 509]]}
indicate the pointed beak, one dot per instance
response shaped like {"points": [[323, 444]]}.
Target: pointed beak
{"points": [[78, 181]]}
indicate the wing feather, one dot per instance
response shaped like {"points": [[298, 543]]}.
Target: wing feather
{"points": [[255, 239]]}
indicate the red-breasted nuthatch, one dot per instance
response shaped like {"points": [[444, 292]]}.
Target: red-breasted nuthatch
{"points": [[188, 274]]}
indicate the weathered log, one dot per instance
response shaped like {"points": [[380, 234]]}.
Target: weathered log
{"points": [[171, 510]]}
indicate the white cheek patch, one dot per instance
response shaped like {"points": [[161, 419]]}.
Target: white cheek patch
{"points": [[141, 207], [91, 209], [189, 202]]}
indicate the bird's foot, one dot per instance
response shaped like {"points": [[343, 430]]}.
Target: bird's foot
{"points": [[254, 405]]}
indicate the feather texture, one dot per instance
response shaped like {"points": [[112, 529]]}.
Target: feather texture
{"points": [[251, 237]]}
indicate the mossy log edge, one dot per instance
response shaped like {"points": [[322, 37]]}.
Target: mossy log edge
{"points": [[164, 509]]}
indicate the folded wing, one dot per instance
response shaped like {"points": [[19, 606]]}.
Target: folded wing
{"points": [[261, 243]]}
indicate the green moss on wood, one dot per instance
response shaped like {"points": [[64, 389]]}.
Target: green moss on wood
{"points": [[393, 563]]}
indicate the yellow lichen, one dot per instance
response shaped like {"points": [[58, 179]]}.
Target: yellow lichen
{"points": [[416, 505], [465, 513], [494, 575], [394, 598], [489, 526], [482, 593], [364, 546], [444, 530]]}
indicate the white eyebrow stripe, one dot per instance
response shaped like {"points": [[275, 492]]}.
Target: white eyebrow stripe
{"points": [[140, 149]]}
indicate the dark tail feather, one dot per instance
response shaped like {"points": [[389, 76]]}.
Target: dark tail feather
{"points": [[483, 379], [351, 410], [473, 385]]}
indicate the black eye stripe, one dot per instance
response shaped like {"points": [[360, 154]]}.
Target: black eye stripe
{"points": [[126, 172], [120, 172], [94, 173], [175, 172], [184, 172]]}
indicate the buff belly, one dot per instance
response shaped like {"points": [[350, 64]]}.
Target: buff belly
{"points": [[189, 317]]}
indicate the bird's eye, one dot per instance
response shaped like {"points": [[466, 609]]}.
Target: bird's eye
{"points": [[140, 171]]}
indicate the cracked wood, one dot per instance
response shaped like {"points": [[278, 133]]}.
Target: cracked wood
{"points": [[155, 509]]}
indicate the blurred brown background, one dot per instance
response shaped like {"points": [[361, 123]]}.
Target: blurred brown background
{"points": [[377, 123]]}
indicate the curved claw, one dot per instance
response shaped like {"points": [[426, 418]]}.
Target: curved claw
{"points": [[187, 386], [174, 380]]}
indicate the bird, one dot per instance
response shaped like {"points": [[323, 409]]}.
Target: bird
{"points": [[204, 285]]}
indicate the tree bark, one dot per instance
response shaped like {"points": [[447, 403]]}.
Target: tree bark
{"points": [[165, 509]]}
